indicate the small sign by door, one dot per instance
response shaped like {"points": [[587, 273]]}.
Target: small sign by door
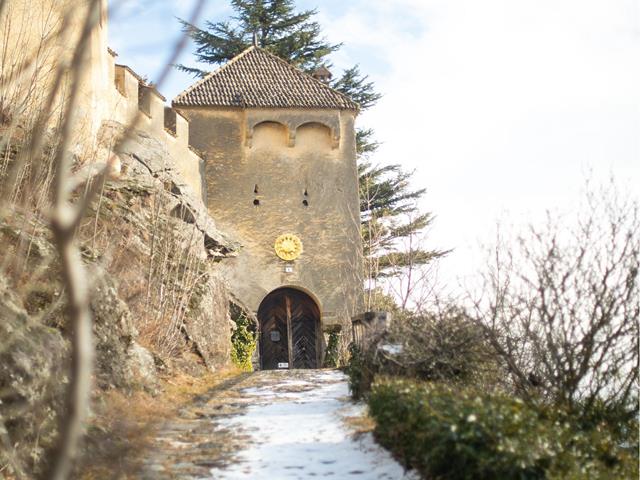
{"points": [[283, 365]]}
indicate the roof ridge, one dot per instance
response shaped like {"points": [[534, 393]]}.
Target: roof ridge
{"points": [[214, 72], [310, 77]]}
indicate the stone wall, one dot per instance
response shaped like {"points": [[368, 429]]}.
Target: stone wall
{"points": [[131, 101], [260, 164]]}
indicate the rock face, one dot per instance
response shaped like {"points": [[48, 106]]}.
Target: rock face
{"points": [[171, 247], [146, 160], [151, 252], [209, 325], [113, 333], [33, 376], [143, 365]]}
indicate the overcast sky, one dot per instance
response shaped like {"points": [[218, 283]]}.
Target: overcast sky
{"points": [[502, 107]]}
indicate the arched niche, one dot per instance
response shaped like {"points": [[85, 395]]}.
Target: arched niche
{"points": [[314, 136], [268, 134]]}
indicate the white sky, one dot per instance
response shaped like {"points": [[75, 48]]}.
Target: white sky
{"points": [[502, 107]]}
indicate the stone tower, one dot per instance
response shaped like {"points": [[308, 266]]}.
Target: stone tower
{"points": [[281, 177]]}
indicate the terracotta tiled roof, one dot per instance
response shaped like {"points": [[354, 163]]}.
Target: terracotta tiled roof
{"points": [[257, 78]]}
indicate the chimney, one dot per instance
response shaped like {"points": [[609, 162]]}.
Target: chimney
{"points": [[322, 74]]}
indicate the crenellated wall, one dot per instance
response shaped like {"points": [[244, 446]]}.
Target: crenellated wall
{"points": [[38, 36], [131, 101]]}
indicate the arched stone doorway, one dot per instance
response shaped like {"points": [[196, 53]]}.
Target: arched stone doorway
{"points": [[290, 334]]}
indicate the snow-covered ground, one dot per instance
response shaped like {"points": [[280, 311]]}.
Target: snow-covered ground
{"points": [[294, 427]]}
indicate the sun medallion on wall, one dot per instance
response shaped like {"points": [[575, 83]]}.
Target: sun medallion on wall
{"points": [[288, 247]]}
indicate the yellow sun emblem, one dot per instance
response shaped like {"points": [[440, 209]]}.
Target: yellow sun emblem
{"points": [[288, 247]]}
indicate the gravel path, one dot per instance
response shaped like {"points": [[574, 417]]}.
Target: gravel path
{"points": [[273, 425]]}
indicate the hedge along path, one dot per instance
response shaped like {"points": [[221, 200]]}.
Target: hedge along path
{"points": [[273, 424]]}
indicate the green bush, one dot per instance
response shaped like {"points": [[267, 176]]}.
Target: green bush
{"points": [[452, 433], [602, 443], [360, 371], [332, 355], [243, 342]]}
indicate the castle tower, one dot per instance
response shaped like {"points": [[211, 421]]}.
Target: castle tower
{"points": [[281, 177]]}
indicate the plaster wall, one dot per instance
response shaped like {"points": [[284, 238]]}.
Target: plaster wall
{"points": [[283, 154], [36, 37]]}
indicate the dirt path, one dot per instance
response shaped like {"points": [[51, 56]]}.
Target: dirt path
{"points": [[272, 425]]}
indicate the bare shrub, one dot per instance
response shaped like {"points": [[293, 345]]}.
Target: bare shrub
{"points": [[175, 272], [442, 344], [561, 306], [159, 259]]}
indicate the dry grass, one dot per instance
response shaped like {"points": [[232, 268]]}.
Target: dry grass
{"points": [[123, 427], [154, 257], [359, 424]]}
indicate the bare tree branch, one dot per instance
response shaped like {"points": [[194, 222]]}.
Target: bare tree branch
{"points": [[562, 305]]}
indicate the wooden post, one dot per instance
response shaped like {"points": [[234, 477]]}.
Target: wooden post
{"points": [[289, 330]]}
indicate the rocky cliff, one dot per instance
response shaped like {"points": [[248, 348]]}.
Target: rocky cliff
{"points": [[158, 302]]}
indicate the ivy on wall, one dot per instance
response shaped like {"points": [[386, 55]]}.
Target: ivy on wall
{"points": [[243, 340]]}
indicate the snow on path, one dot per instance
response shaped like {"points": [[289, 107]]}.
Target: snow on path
{"points": [[295, 429]]}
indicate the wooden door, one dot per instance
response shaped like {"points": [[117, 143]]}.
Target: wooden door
{"points": [[274, 335], [289, 330]]}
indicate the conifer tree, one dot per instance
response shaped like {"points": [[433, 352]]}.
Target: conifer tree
{"points": [[388, 213], [387, 201], [275, 26]]}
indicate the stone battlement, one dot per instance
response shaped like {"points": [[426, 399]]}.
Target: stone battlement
{"points": [[49, 30], [132, 99]]}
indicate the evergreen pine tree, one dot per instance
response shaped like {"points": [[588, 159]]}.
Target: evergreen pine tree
{"points": [[389, 213], [277, 28]]}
